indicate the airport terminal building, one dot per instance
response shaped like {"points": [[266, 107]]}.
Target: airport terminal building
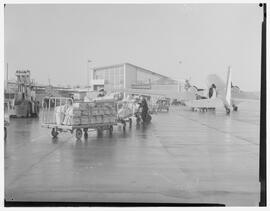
{"points": [[130, 76]]}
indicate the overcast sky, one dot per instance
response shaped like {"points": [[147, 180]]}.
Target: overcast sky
{"points": [[57, 40]]}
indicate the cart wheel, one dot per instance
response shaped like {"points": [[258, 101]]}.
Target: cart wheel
{"points": [[130, 122], [54, 133], [78, 133], [5, 133], [85, 130], [110, 129]]}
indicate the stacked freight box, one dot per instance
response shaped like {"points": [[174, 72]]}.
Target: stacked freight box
{"points": [[96, 112]]}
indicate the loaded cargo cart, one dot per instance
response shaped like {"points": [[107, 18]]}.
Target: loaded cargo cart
{"points": [[63, 115], [124, 113], [163, 104]]}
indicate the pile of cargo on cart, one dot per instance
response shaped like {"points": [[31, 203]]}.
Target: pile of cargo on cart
{"points": [[62, 115], [66, 115], [125, 112]]}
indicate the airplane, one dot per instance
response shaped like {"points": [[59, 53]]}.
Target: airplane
{"points": [[228, 96], [237, 95]]}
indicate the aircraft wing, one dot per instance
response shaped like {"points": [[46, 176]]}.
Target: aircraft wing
{"points": [[164, 93], [237, 101], [245, 97], [144, 92]]}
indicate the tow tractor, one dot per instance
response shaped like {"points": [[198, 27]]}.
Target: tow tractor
{"points": [[140, 118], [25, 104]]}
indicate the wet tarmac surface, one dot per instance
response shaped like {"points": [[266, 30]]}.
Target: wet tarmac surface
{"points": [[181, 157]]}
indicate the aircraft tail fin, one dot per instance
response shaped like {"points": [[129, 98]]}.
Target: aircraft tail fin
{"points": [[228, 88]]}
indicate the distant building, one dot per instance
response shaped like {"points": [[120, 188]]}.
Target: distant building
{"points": [[130, 76], [98, 84]]}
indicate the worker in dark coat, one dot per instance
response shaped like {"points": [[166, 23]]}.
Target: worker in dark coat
{"points": [[144, 107], [212, 91]]}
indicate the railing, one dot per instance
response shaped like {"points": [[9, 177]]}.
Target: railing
{"points": [[48, 108]]}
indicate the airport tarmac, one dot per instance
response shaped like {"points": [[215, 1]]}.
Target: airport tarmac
{"points": [[181, 157]]}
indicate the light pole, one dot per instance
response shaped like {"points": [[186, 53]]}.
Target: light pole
{"points": [[179, 62], [88, 69]]}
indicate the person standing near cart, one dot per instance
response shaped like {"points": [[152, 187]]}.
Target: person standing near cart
{"points": [[212, 92], [68, 111], [144, 107]]}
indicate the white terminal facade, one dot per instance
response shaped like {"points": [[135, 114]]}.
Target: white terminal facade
{"points": [[130, 76]]}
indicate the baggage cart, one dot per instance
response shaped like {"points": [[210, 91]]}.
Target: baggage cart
{"points": [[48, 119], [163, 104], [124, 119]]}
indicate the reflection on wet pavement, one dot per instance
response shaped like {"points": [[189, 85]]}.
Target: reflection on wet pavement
{"points": [[181, 156]]}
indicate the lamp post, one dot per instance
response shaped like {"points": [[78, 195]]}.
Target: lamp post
{"points": [[88, 69], [179, 62]]}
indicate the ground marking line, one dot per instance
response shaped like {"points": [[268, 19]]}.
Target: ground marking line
{"points": [[225, 132], [31, 141], [171, 156], [34, 164]]}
